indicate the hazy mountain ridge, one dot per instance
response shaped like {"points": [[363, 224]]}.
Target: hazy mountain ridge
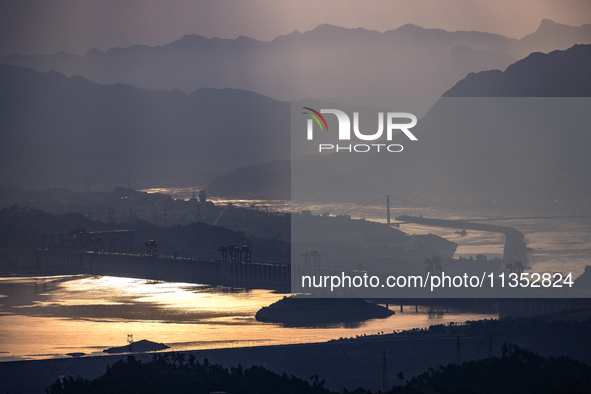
{"points": [[407, 61], [551, 36], [270, 180], [467, 152], [57, 130], [558, 74]]}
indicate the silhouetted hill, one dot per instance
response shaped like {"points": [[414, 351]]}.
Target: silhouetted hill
{"points": [[407, 61], [557, 74], [176, 373], [516, 371], [58, 130]]}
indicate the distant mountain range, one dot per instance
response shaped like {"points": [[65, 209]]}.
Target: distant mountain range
{"points": [[60, 131], [71, 132], [328, 61], [559, 74], [463, 154]]}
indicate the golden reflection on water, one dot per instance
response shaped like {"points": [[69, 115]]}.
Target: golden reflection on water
{"points": [[42, 317], [51, 316], [186, 297], [186, 193]]}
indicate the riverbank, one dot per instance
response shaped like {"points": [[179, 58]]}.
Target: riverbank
{"points": [[351, 363], [342, 364], [515, 248]]}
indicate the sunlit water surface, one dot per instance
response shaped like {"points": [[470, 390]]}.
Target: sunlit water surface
{"points": [[44, 317], [47, 317]]}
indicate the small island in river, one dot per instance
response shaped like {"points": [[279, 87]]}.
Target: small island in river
{"points": [[139, 346], [304, 312]]}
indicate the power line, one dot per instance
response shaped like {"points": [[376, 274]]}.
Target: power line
{"points": [[356, 367], [384, 374]]}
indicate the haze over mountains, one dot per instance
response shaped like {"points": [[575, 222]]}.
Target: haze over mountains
{"points": [[465, 152], [59, 131], [559, 74], [62, 131], [328, 61]]}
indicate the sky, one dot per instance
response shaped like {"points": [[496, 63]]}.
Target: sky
{"points": [[75, 26]]}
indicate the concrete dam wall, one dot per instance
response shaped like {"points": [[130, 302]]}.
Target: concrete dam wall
{"points": [[271, 276]]}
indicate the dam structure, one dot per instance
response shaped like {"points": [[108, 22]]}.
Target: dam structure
{"points": [[259, 275]]}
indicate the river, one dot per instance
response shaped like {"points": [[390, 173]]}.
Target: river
{"points": [[560, 244], [45, 317], [48, 317]]}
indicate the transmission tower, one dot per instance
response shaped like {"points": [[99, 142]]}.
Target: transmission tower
{"points": [[197, 213], [385, 374]]}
